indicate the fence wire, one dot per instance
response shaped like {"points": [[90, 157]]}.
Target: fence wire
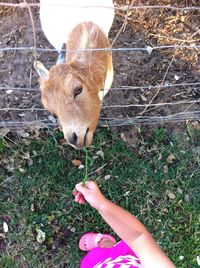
{"points": [[148, 49], [165, 85], [105, 122], [116, 7], [177, 117]]}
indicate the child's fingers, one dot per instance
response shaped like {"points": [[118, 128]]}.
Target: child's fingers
{"points": [[82, 200], [74, 192], [76, 196], [79, 198]]}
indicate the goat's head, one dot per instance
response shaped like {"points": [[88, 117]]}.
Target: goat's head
{"points": [[67, 93], [70, 89]]}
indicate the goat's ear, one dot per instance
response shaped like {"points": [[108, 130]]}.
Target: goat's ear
{"points": [[41, 70]]}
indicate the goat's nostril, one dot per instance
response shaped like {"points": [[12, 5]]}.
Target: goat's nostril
{"points": [[73, 139]]}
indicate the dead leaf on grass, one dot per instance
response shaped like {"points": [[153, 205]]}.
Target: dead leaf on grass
{"points": [[81, 167], [32, 207], [76, 162], [176, 77], [5, 227], [26, 155], [107, 177], [100, 153], [171, 195], [23, 134], [22, 170], [40, 236], [165, 169], [198, 260], [123, 137], [143, 97], [171, 158], [21, 115], [179, 190]]}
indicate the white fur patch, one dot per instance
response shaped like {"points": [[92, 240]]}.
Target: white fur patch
{"points": [[59, 17]]}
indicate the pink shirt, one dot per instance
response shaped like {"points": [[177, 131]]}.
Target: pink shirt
{"points": [[118, 256]]}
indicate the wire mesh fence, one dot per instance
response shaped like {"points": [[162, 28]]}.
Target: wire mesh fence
{"points": [[144, 105]]}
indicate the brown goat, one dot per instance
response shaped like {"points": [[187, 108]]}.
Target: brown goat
{"points": [[73, 90]]}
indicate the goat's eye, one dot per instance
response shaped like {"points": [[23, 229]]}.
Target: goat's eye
{"points": [[78, 91]]}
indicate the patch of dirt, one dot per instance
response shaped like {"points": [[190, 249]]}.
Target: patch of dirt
{"points": [[143, 27]]}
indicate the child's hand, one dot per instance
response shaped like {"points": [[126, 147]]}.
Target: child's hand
{"points": [[79, 198], [89, 192]]}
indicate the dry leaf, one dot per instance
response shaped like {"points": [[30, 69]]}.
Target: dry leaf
{"points": [[198, 260], [9, 91], [23, 134], [21, 115], [179, 190], [81, 167], [171, 195], [22, 170], [35, 153], [107, 177], [143, 98], [165, 169], [123, 137], [26, 155], [126, 193], [187, 198], [100, 153], [76, 162], [32, 207], [40, 236], [171, 158], [176, 77], [5, 227]]}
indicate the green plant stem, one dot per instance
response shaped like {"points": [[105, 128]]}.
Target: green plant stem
{"points": [[86, 167]]}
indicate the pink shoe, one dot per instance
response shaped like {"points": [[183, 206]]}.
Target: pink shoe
{"points": [[90, 240]]}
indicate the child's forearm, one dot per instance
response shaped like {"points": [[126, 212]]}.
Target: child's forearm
{"points": [[126, 226], [136, 236]]}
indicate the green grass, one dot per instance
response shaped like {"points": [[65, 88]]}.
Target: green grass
{"points": [[38, 195]]}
